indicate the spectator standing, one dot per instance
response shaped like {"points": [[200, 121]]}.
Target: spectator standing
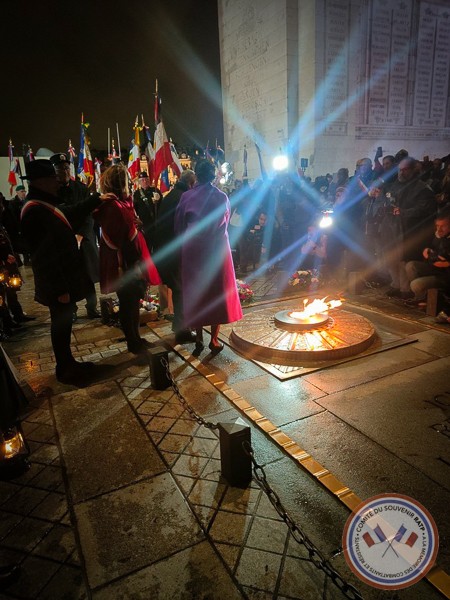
{"points": [[72, 193], [59, 275], [125, 263], [167, 251], [210, 295]]}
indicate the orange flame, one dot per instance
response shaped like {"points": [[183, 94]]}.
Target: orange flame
{"points": [[315, 307]]}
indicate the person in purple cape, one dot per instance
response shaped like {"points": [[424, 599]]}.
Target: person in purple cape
{"points": [[210, 294]]}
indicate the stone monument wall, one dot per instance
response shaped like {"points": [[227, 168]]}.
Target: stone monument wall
{"points": [[330, 80]]}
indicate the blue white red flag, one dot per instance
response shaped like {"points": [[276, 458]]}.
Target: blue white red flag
{"points": [[85, 162], [30, 155], [176, 165], [164, 184]]}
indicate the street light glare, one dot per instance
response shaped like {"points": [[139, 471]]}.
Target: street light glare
{"points": [[280, 162]]}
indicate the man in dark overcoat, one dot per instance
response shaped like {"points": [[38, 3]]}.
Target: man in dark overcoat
{"points": [[59, 275], [167, 252], [71, 193]]}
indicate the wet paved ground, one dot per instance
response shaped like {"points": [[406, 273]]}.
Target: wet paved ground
{"points": [[125, 498]]}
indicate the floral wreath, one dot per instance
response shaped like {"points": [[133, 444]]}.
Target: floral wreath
{"points": [[306, 278]]}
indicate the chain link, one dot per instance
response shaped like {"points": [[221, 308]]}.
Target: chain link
{"points": [[315, 556], [299, 536], [183, 400]]}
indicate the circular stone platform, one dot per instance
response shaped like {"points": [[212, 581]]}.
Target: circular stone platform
{"points": [[343, 334]]}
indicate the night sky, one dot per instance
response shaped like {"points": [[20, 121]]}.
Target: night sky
{"points": [[103, 59]]}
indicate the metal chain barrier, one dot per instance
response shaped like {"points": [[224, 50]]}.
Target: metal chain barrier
{"points": [[315, 556], [183, 400]]}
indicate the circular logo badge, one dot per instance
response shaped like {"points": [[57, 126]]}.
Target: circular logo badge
{"points": [[390, 541]]}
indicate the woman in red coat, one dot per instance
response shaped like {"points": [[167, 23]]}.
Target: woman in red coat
{"points": [[125, 263], [210, 295]]}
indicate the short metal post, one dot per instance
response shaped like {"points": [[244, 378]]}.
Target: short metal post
{"points": [[158, 374], [236, 464]]}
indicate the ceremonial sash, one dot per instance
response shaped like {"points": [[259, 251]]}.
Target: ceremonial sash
{"points": [[53, 209]]}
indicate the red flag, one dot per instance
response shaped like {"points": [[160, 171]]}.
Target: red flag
{"points": [[411, 539], [367, 538], [13, 168]]}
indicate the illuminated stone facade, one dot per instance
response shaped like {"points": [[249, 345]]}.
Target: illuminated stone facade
{"points": [[334, 79]]}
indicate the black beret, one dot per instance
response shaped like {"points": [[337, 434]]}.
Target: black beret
{"points": [[38, 169], [57, 159]]}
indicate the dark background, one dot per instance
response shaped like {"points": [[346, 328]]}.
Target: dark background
{"points": [[102, 59]]}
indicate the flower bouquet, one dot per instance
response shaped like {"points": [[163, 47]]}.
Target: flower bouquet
{"points": [[246, 293], [306, 279], [150, 304]]}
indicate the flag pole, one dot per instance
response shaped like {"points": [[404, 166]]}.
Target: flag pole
{"points": [[109, 141], [118, 141]]}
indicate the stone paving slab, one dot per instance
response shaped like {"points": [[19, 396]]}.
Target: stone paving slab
{"points": [[102, 444], [368, 368], [281, 402], [435, 343], [130, 528], [406, 429], [192, 573]]}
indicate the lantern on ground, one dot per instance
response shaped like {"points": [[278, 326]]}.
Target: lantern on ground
{"points": [[15, 282], [14, 453]]}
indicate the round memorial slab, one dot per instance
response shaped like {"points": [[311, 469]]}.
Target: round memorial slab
{"points": [[272, 336]]}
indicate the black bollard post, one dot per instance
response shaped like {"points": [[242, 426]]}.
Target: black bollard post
{"points": [[158, 373], [236, 464]]}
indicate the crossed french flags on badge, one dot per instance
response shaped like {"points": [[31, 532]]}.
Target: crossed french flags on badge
{"points": [[410, 541]]}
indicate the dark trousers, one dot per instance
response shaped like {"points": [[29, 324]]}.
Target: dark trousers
{"points": [[173, 280], [91, 297], [14, 304], [60, 332], [129, 297]]}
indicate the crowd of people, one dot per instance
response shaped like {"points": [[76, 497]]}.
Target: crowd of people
{"points": [[74, 238], [390, 224], [384, 218]]}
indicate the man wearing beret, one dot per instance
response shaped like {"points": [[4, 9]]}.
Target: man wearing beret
{"points": [[71, 193], [146, 200], [59, 275]]}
